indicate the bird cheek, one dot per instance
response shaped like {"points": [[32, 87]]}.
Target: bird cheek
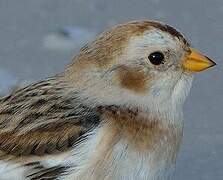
{"points": [[133, 79]]}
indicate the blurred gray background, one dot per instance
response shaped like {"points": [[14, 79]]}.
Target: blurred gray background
{"points": [[39, 37]]}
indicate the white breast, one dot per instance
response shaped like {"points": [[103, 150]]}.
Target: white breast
{"points": [[120, 161]]}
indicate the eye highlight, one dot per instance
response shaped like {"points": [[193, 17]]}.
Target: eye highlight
{"points": [[156, 58]]}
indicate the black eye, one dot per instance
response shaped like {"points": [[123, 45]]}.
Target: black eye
{"points": [[156, 58]]}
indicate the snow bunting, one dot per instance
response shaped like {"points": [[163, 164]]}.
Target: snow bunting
{"points": [[115, 113]]}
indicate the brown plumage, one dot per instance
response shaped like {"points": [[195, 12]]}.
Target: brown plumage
{"points": [[133, 79], [31, 118]]}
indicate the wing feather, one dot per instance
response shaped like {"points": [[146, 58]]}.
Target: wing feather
{"points": [[43, 119]]}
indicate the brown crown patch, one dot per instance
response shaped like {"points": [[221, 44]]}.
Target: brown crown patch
{"points": [[169, 29], [102, 52]]}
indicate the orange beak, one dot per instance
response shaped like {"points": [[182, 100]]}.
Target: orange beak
{"points": [[196, 62]]}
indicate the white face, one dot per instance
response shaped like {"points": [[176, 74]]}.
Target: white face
{"points": [[168, 82], [167, 85]]}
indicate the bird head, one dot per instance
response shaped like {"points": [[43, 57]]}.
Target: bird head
{"points": [[139, 64]]}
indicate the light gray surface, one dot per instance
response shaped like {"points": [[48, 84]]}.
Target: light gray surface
{"points": [[24, 24]]}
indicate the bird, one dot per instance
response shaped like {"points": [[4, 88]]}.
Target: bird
{"points": [[114, 113]]}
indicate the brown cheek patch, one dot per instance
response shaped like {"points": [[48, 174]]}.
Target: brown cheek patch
{"points": [[133, 79]]}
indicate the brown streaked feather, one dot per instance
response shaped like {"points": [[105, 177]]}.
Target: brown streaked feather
{"points": [[43, 119], [40, 142], [47, 173]]}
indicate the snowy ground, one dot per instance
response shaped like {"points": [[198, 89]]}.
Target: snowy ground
{"points": [[29, 50]]}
